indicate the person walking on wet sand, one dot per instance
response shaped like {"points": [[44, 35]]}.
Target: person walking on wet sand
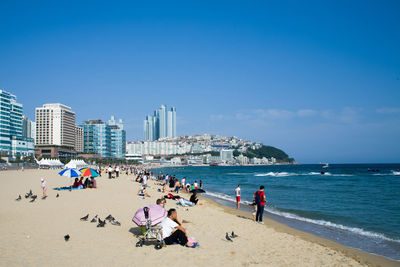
{"points": [[237, 194], [260, 200]]}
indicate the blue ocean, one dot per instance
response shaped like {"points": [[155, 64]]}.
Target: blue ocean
{"points": [[357, 205]]}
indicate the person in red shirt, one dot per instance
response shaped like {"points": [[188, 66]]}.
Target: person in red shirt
{"points": [[260, 200]]}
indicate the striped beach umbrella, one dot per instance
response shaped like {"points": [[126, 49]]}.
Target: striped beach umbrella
{"points": [[70, 172], [89, 172]]}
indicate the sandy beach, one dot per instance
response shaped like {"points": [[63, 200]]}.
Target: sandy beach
{"points": [[32, 234]]}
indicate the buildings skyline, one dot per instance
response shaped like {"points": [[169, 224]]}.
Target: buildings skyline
{"points": [[160, 125], [12, 138]]}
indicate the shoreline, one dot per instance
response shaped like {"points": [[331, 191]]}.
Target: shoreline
{"points": [[356, 254]]}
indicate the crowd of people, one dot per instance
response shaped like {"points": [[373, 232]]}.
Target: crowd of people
{"points": [[90, 182]]}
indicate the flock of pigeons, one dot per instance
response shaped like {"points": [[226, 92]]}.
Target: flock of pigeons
{"points": [[229, 238], [96, 219], [31, 196], [101, 223]]}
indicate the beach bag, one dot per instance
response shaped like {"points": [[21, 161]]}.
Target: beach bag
{"points": [[257, 197]]}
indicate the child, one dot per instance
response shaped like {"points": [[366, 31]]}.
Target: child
{"points": [[255, 209], [44, 187]]}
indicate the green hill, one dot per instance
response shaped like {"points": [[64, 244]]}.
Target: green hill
{"points": [[268, 152]]}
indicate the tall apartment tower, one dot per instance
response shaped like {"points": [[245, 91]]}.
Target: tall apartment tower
{"points": [[172, 123], [163, 121], [55, 127]]}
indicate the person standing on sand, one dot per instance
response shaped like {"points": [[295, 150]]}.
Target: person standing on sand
{"points": [[237, 194], [110, 170], [116, 171], [43, 186], [260, 199]]}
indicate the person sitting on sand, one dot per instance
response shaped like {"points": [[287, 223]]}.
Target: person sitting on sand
{"points": [[80, 183], [142, 191], [173, 232], [43, 186], [86, 183], [93, 183], [76, 183], [193, 198]]}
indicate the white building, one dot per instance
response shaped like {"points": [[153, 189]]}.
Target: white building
{"points": [[226, 155], [55, 125]]}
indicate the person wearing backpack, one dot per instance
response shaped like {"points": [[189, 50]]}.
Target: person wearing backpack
{"points": [[260, 200]]}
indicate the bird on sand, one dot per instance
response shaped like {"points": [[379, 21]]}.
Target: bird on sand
{"points": [[94, 219], [66, 237], [19, 198], [228, 238], [115, 222], [233, 235], [57, 195], [85, 218], [101, 223]]}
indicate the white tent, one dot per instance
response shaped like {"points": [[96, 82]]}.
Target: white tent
{"points": [[50, 163], [77, 164]]}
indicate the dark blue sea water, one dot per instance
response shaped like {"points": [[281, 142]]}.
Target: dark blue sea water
{"points": [[349, 204]]}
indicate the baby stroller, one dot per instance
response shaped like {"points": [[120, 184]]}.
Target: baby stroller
{"points": [[150, 232]]}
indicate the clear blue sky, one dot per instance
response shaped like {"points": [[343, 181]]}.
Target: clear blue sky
{"points": [[319, 79]]}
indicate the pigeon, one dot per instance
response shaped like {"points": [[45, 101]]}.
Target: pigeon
{"points": [[85, 218], [94, 219], [115, 222], [57, 195], [101, 223], [66, 237], [19, 198], [33, 198], [228, 238], [109, 218], [233, 235]]}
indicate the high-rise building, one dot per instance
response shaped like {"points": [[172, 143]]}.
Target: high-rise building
{"points": [[97, 138], [12, 141], [55, 125], [163, 121], [161, 125], [78, 139], [55, 131], [172, 123], [149, 132], [118, 138], [105, 139]]}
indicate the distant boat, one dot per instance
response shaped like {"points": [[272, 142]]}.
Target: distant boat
{"points": [[326, 165]]}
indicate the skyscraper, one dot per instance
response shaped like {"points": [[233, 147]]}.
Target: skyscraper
{"points": [[161, 125], [163, 121], [97, 138], [105, 139], [12, 140], [118, 138], [172, 123], [55, 131]]}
